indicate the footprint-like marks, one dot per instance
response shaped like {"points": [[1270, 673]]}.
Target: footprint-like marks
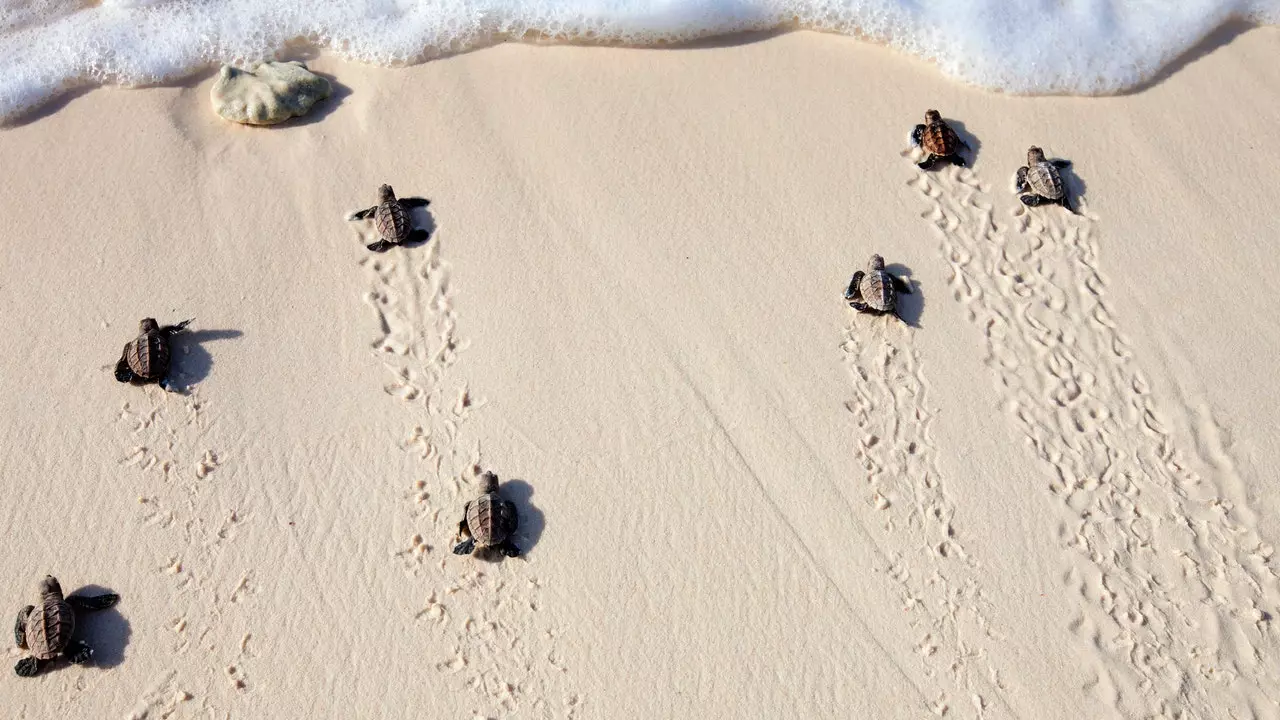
{"points": [[903, 491], [1068, 377]]}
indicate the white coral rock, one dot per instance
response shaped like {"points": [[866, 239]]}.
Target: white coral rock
{"points": [[273, 93]]}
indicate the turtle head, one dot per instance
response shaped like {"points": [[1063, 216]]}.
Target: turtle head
{"points": [[489, 483], [877, 262], [386, 194], [148, 325], [932, 116], [1034, 155], [49, 586]]}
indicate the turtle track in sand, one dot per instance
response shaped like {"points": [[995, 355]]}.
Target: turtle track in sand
{"points": [[1161, 547], [903, 493], [490, 635], [187, 518]]}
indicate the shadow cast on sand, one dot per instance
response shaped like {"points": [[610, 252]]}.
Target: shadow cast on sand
{"points": [[191, 361], [422, 220], [910, 305], [1074, 185], [106, 631], [531, 520], [970, 154]]}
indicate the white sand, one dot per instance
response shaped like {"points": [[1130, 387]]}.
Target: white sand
{"points": [[1051, 499]]}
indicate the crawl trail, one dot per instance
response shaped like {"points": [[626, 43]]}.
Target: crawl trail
{"points": [[939, 580], [1173, 576], [493, 640]]}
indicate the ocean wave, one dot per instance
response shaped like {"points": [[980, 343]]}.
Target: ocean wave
{"points": [[1021, 46]]}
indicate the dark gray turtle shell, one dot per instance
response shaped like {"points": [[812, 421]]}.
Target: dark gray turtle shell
{"points": [[148, 355], [1044, 180], [491, 519], [49, 626]]}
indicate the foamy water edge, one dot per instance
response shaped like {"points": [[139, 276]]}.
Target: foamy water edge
{"points": [[1018, 46]]}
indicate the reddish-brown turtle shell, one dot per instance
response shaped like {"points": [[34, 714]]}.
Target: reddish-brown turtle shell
{"points": [[939, 139]]}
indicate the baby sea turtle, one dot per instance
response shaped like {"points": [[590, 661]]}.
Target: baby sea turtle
{"points": [[488, 521], [1039, 181], [876, 290], [146, 358], [938, 141], [391, 218], [45, 629]]}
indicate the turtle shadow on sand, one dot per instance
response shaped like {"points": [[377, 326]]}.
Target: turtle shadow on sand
{"points": [[191, 363], [973, 146], [910, 305], [422, 220], [531, 521], [1074, 186], [106, 631]]}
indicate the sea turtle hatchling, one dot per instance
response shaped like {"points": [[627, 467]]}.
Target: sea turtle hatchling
{"points": [[146, 358], [938, 141], [45, 629], [876, 290], [1039, 182], [392, 219], [488, 521]]}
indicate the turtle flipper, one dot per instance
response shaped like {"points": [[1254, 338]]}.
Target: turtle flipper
{"points": [[20, 627], [509, 549], [175, 329], [1031, 200], [417, 235], [362, 214], [465, 547], [928, 162], [854, 291], [78, 652], [27, 667], [93, 603], [901, 285], [414, 202], [1061, 163], [861, 306], [916, 134], [380, 246], [957, 160], [1020, 180], [123, 373]]}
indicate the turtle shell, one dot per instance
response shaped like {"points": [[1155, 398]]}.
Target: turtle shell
{"points": [[392, 222], [877, 291], [148, 355], [490, 519], [49, 627], [939, 139], [1045, 181]]}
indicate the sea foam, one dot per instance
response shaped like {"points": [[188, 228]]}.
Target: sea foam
{"points": [[1019, 46]]}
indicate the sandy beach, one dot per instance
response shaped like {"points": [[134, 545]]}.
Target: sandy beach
{"points": [[1048, 495]]}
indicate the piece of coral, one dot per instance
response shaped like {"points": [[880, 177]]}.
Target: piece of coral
{"points": [[271, 94]]}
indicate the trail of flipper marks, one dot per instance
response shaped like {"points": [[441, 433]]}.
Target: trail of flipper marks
{"points": [[903, 490], [174, 470], [1176, 584], [500, 646]]}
